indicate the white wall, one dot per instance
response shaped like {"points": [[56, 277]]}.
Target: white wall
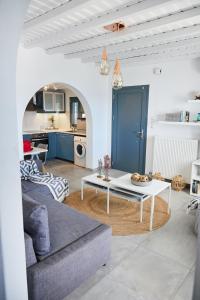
{"points": [[36, 69], [12, 251], [169, 92]]}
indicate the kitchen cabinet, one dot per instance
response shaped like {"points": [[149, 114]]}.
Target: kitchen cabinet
{"points": [[31, 106], [27, 137], [50, 102], [65, 146], [52, 145], [59, 102]]}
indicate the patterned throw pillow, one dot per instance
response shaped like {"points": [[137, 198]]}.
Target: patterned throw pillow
{"points": [[28, 168]]}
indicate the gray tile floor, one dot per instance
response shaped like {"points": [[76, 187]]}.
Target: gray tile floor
{"points": [[153, 266]]}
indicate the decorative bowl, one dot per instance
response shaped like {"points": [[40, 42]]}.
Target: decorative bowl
{"points": [[142, 183]]}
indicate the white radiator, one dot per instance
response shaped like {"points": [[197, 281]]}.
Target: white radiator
{"points": [[174, 156]]}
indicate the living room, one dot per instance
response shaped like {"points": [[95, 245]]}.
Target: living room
{"points": [[156, 258]]}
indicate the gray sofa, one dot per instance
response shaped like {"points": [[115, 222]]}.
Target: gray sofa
{"points": [[79, 245]]}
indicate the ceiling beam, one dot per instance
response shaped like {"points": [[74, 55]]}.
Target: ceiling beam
{"points": [[148, 41], [109, 16], [105, 39], [53, 14], [190, 43], [158, 57]]}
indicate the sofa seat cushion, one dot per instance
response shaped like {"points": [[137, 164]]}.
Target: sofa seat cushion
{"points": [[30, 254], [35, 216], [66, 225]]}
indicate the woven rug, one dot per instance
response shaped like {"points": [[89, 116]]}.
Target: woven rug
{"points": [[124, 217]]}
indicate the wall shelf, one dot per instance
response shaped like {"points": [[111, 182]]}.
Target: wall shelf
{"points": [[193, 101], [180, 123]]}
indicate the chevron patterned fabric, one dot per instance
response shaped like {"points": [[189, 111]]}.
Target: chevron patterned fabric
{"points": [[58, 186]]}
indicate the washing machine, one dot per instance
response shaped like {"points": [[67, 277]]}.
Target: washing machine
{"points": [[80, 151]]}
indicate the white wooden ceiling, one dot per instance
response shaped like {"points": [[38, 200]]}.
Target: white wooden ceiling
{"points": [[155, 29]]}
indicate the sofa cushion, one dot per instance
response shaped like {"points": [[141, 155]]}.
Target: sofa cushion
{"points": [[30, 254], [36, 224], [27, 168], [66, 225], [28, 186]]}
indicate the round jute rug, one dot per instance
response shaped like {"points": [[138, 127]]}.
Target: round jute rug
{"points": [[124, 217]]}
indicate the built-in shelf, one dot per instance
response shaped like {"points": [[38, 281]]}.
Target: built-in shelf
{"points": [[193, 101], [195, 179], [180, 123]]}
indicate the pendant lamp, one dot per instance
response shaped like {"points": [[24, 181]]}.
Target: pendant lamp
{"points": [[104, 67], [117, 82]]}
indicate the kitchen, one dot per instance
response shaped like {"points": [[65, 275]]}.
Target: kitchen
{"points": [[54, 125]]}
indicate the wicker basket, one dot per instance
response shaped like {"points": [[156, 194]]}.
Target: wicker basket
{"points": [[178, 183]]}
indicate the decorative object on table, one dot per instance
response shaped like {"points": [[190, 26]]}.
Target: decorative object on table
{"points": [[104, 66], [52, 120], [140, 180], [178, 183], [158, 176], [100, 168], [107, 166], [187, 116], [117, 82]]}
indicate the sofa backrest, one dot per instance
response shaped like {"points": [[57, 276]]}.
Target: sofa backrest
{"points": [[35, 216]]}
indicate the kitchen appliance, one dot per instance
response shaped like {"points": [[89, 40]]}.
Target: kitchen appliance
{"points": [[40, 140], [80, 151]]}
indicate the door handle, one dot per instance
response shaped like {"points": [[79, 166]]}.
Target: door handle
{"points": [[141, 134]]}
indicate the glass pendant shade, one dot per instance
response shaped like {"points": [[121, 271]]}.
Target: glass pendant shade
{"points": [[104, 67], [117, 82]]}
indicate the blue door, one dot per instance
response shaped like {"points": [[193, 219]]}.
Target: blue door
{"points": [[129, 128]]}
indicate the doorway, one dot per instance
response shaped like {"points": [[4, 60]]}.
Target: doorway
{"points": [[129, 128]]}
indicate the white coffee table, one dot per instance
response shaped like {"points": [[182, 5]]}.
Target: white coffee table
{"points": [[124, 184], [123, 188]]}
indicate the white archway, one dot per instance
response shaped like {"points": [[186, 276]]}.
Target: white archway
{"points": [[36, 69], [88, 113]]}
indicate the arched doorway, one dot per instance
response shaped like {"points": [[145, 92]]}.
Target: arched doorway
{"points": [[39, 120]]}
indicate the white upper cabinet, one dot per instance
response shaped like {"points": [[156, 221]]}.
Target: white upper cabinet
{"points": [[59, 102], [48, 101], [53, 102]]}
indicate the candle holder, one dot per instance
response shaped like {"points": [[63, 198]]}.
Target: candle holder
{"points": [[107, 166], [100, 169]]}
